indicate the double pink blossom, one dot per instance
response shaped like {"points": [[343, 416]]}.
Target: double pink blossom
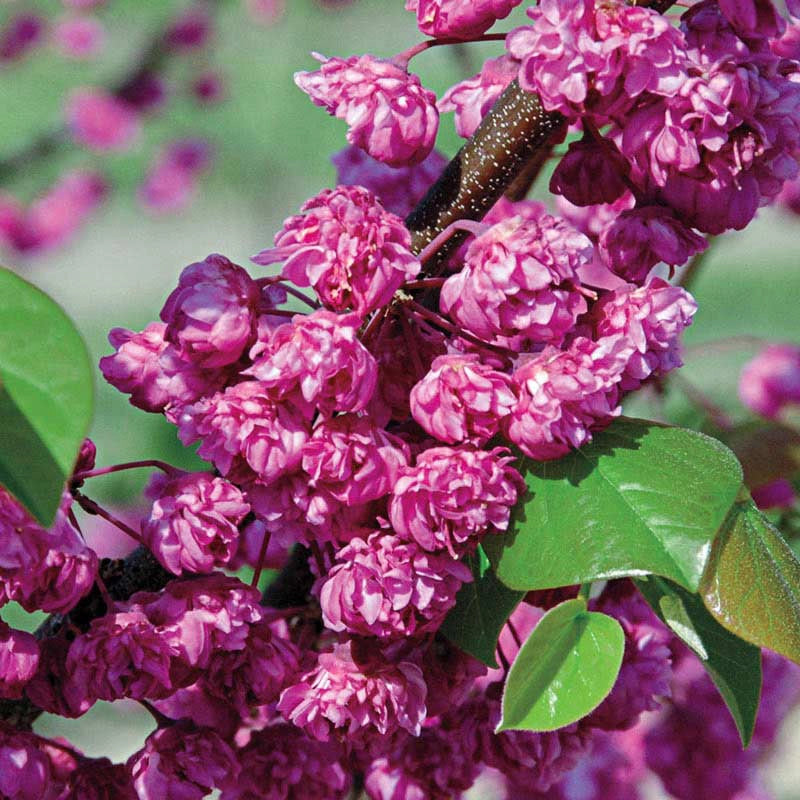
{"points": [[353, 252], [389, 588], [771, 381], [462, 19], [388, 111], [453, 496], [19, 658]]}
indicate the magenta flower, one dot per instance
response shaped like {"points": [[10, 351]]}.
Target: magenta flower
{"points": [[151, 371], [182, 762], [353, 252], [319, 355], [389, 588], [353, 460], [461, 19], [590, 173], [19, 35], [519, 283], [244, 430], [171, 181], [471, 99], [79, 37], [255, 674], [771, 381], [19, 659], [462, 400], [775, 494], [26, 772], [397, 189], [388, 111], [121, 655], [354, 689], [651, 319], [281, 762], [99, 779], [192, 29], [453, 496], [565, 394], [211, 314], [637, 240], [193, 524], [582, 57], [101, 122]]}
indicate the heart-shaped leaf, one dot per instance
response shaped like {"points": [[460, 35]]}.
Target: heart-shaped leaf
{"points": [[641, 498], [45, 396], [752, 582], [565, 669], [733, 664], [482, 608]]}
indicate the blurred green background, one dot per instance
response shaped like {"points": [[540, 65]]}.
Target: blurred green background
{"points": [[273, 148]]}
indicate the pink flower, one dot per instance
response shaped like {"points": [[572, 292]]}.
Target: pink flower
{"points": [[651, 319], [208, 88], [471, 99], [25, 769], [19, 35], [356, 689], [637, 240], [281, 762], [462, 400], [211, 314], [152, 372], [202, 617], [171, 181], [388, 111], [450, 675], [565, 394], [353, 252], [79, 37], [389, 588], [775, 494], [192, 29], [121, 655], [590, 173], [243, 430], [182, 762], [99, 779], [256, 674], [101, 122], [398, 189], [453, 496], [352, 459], [19, 658], [319, 355], [193, 524], [646, 669], [519, 283], [771, 381], [582, 57], [462, 19]]}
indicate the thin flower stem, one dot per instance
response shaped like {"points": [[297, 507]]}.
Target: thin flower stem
{"points": [[291, 290], [262, 554], [374, 324], [90, 507], [283, 312], [460, 225], [409, 340], [425, 283], [703, 402], [149, 462], [402, 59], [104, 593], [514, 633], [503, 658]]}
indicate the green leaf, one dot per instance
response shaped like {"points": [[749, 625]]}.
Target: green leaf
{"points": [[482, 608], [733, 664], [752, 582], [641, 498], [45, 396], [564, 670]]}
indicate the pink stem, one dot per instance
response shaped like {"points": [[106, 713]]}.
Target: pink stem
{"points": [[374, 324], [514, 633], [425, 283], [503, 658], [402, 59], [150, 462], [291, 290], [90, 507], [468, 225], [262, 554]]}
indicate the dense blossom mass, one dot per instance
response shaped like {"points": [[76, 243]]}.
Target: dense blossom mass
{"points": [[361, 411]]}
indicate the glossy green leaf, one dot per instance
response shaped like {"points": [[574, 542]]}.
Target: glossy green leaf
{"points": [[565, 669], [752, 582], [482, 608], [45, 395], [641, 498], [733, 664]]}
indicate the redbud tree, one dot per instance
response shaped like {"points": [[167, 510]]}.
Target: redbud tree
{"points": [[427, 554]]}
